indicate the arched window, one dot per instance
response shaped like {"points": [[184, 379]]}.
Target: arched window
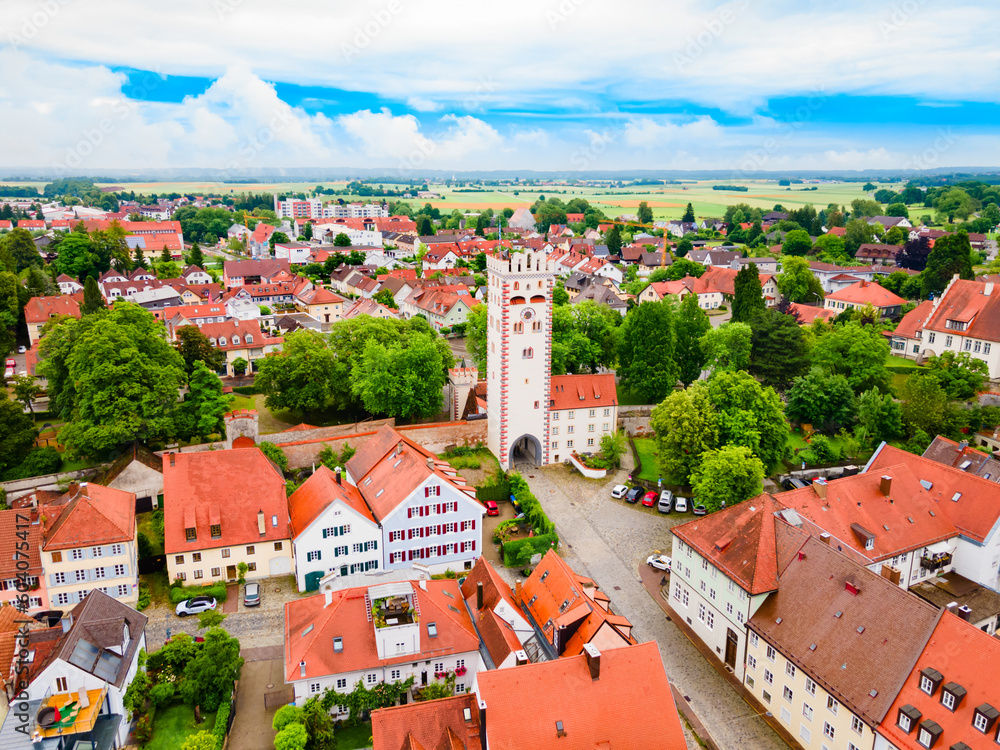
{"points": [[516, 286], [538, 298], [519, 327], [528, 353], [536, 326], [517, 300]]}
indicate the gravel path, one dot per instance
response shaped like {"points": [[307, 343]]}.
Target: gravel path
{"points": [[608, 540]]}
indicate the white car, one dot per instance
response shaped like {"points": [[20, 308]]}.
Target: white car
{"points": [[681, 504], [195, 606], [619, 491], [660, 562], [21, 350]]}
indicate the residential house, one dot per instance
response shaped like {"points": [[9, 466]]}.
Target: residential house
{"points": [[440, 256], [522, 218], [244, 339], [806, 314], [332, 529], [714, 257], [442, 309], [380, 633], [950, 697], [371, 308], [22, 586], [249, 272], [196, 275], [767, 265], [964, 457], [426, 511], [259, 243], [296, 253], [32, 225], [878, 253], [321, 304], [888, 222], [977, 605], [139, 472], [158, 301], [827, 653], [603, 295], [451, 723], [40, 310], [67, 284], [223, 508], [577, 702], [83, 667], [582, 409], [862, 294], [89, 542], [906, 339]]}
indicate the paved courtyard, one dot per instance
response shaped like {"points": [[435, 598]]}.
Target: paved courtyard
{"points": [[609, 540]]}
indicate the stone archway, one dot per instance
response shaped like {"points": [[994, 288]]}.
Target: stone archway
{"points": [[526, 449]]}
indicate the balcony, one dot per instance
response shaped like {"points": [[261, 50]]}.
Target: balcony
{"points": [[71, 720], [393, 611], [936, 562]]}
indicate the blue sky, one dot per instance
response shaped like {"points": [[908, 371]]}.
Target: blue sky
{"points": [[534, 84]]}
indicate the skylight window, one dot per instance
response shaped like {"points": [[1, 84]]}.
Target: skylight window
{"points": [[432, 629]]}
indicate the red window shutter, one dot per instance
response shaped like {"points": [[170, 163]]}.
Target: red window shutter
{"points": [[427, 491], [439, 529], [473, 545], [473, 523], [409, 512], [411, 554], [440, 549]]}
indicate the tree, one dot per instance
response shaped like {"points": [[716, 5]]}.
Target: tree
{"points": [[26, 390], [276, 455], [960, 375], [384, 297], [748, 296], [613, 239], [76, 256], [644, 213], [210, 675], [857, 233], [880, 415], [914, 254], [197, 258], [778, 348], [647, 362], [40, 284], [139, 258], [797, 282], [205, 405], [925, 405], [797, 242], [728, 347], [194, 346], [951, 255], [424, 227], [823, 400], [93, 300], [22, 249], [954, 202], [292, 737], [686, 425], [277, 237], [126, 378], [342, 240], [18, 432], [475, 336], [111, 248], [613, 445], [857, 352], [240, 365], [165, 256], [749, 415], [203, 740], [301, 376], [690, 325], [307, 231], [869, 187], [688, 216], [678, 270], [402, 380], [897, 209], [727, 476], [287, 714], [559, 295], [684, 246], [832, 249]]}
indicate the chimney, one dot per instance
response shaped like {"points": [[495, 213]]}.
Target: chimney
{"points": [[520, 657], [302, 668], [66, 622], [965, 613], [593, 660], [560, 732], [260, 523], [988, 288], [820, 487], [851, 589], [963, 445], [517, 589], [337, 473], [171, 459], [824, 537], [328, 596], [885, 485], [430, 462], [479, 595]]}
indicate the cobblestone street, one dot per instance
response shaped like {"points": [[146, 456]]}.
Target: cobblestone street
{"points": [[608, 540]]}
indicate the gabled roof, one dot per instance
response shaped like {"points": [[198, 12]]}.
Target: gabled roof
{"points": [[807, 313], [970, 302], [968, 501], [320, 296], [429, 725], [40, 309], [497, 635], [629, 705], [867, 292], [914, 321], [318, 493], [867, 631], [749, 542], [10, 527], [582, 391], [89, 515], [964, 458]]}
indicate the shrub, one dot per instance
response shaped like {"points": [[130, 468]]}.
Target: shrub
{"points": [[292, 737], [530, 506], [519, 552], [37, 462], [143, 731], [222, 723], [210, 619], [246, 390], [182, 593], [284, 716], [144, 597], [144, 545], [503, 531], [823, 450], [137, 694], [162, 693]]}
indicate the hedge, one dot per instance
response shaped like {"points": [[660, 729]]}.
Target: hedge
{"points": [[905, 370], [530, 506], [519, 552], [247, 390], [495, 492], [222, 723], [179, 594]]}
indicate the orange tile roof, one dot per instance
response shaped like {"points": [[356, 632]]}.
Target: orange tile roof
{"points": [[914, 320], [582, 391], [88, 515], [9, 529], [807, 313], [906, 520], [965, 656], [497, 635], [346, 617], [40, 309], [199, 485], [976, 509], [867, 292], [317, 493], [434, 725], [968, 302], [320, 296], [629, 706], [747, 541]]}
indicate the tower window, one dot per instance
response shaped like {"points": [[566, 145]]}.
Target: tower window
{"points": [[528, 353]]}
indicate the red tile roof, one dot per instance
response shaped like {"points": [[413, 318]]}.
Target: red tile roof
{"points": [[496, 633], [89, 515], [807, 313], [430, 725], [914, 320], [974, 512], [967, 301], [867, 292], [905, 520], [40, 309], [965, 656], [582, 391], [242, 328], [320, 296], [317, 493], [9, 540], [225, 488], [346, 617], [629, 706]]}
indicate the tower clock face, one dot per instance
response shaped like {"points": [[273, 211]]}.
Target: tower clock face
{"points": [[527, 313]]}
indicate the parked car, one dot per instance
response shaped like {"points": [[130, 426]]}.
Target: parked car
{"points": [[492, 509], [8, 373], [11, 363], [633, 495], [700, 510], [21, 349], [660, 562], [649, 499], [195, 606], [681, 504], [666, 501], [251, 595], [619, 491]]}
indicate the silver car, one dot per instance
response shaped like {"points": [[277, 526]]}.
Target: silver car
{"points": [[251, 595]]}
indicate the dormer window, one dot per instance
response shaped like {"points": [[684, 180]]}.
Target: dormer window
{"points": [[870, 543], [216, 531], [952, 695], [985, 717], [190, 534], [930, 680], [222, 340], [907, 718], [249, 338], [928, 733], [236, 339]]}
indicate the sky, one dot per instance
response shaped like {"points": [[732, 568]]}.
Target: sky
{"points": [[551, 85]]}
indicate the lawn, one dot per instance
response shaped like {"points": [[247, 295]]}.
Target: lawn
{"points": [[144, 521], [646, 447], [354, 737], [159, 587], [174, 723]]}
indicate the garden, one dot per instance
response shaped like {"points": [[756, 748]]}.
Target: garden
{"points": [[531, 532]]}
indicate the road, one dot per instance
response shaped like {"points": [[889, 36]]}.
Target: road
{"points": [[608, 540]]}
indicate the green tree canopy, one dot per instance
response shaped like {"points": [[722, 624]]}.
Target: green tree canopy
{"points": [[951, 254], [210, 675], [797, 242], [690, 324], [750, 415], [857, 352], [728, 347], [879, 415], [823, 400], [205, 405], [797, 282], [644, 213], [926, 406], [688, 216], [93, 300], [779, 351], [77, 257], [475, 335], [22, 249], [748, 297], [404, 381], [961, 376], [727, 476], [302, 375], [18, 432], [686, 425], [194, 346], [647, 355]]}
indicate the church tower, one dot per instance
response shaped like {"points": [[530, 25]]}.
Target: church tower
{"points": [[519, 355]]}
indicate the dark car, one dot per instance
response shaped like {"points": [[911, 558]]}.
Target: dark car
{"points": [[633, 495]]}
